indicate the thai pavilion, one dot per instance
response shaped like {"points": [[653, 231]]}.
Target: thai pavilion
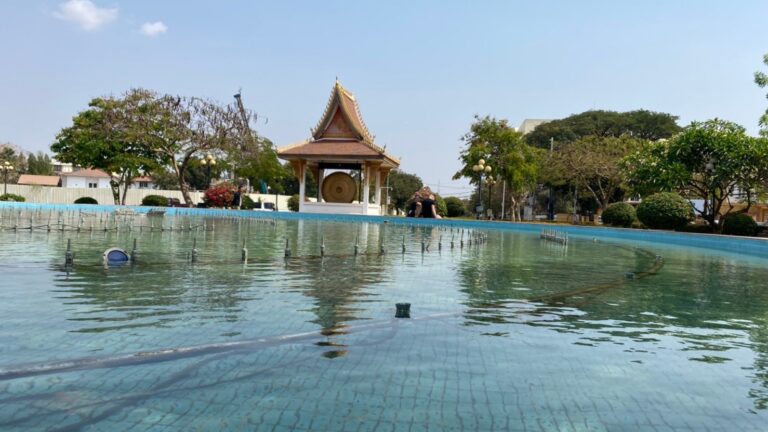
{"points": [[344, 159]]}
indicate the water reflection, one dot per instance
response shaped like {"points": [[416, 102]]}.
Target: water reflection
{"points": [[708, 309]]}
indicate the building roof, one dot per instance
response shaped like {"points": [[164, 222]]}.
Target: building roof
{"points": [[87, 173], [142, 179], [38, 180], [340, 133]]}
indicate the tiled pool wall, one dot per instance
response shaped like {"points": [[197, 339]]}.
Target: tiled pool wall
{"points": [[745, 245]]}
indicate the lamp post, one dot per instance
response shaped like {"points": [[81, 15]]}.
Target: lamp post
{"points": [[481, 168], [491, 182], [6, 167], [208, 161], [710, 168]]}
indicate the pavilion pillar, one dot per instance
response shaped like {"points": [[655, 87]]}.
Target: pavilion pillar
{"points": [[378, 186], [320, 177], [302, 184], [366, 171]]}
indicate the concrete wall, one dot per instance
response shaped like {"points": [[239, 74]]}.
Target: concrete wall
{"points": [[60, 195]]}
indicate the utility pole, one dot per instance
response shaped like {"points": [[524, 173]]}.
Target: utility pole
{"points": [[550, 201]]}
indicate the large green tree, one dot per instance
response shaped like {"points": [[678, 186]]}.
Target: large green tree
{"points": [[761, 79], [641, 124], [714, 161], [592, 165], [515, 163], [104, 136]]}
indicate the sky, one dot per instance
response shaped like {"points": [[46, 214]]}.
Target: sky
{"points": [[420, 69]]}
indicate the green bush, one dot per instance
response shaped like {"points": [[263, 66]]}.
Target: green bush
{"points": [[293, 203], [441, 206], [12, 197], [455, 207], [696, 228], [246, 203], [155, 201], [740, 224], [86, 200], [619, 214], [665, 210]]}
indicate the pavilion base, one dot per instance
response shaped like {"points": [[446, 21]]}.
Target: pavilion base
{"points": [[340, 208]]}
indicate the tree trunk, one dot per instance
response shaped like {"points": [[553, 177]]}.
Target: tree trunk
{"points": [[127, 177], [179, 170]]}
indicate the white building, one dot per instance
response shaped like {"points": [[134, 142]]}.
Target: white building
{"points": [[528, 125], [144, 182], [61, 167], [85, 178]]}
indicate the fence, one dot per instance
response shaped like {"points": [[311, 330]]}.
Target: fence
{"points": [[60, 195]]}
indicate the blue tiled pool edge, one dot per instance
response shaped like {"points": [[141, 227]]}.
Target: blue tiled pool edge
{"points": [[746, 245]]}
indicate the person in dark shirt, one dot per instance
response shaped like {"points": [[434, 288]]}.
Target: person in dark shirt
{"points": [[414, 209], [428, 209]]}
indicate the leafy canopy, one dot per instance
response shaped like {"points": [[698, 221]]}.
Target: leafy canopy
{"points": [[711, 161], [641, 124], [761, 79]]}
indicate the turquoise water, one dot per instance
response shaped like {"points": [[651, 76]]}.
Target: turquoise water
{"points": [[310, 342]]}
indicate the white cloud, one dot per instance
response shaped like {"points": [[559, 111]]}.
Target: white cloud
{"points": [[153, 29], [86, 14]]}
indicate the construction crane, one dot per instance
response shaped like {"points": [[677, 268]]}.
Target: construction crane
{"points": [[251, 146]]}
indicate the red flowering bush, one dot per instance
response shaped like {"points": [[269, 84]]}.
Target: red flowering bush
{"points": [[220, 195]]}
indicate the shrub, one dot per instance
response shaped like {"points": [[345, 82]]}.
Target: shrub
{"points": [[619, 214], [665, 210], [246, 203], [740, 224], [155, 201], [441, 206], [293, 203], [12, 197], [696, 228], [220, 195], [455, 207], [86, 200]]}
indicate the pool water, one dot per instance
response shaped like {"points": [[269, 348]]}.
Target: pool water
{"points": [[310, 342]]}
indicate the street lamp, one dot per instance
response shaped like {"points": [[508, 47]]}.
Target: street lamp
{"points": [[491, 182], [6, 167], [208, 161], [710, 168], [481, 168]]}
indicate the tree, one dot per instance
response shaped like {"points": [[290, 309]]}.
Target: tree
{"points": [[258, 162], [40, 164], [402, 185], [503, 149], [591, 164], [640, 124], [178, 129], [104, 137], [11, 154], [289, 182], [715, 161], [761, 79]]}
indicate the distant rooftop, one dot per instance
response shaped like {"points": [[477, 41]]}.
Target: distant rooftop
{"points": [[38, 180], [87, 173], [528, 125]]}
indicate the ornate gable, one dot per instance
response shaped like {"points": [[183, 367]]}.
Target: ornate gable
{"points": [[342, 118]]}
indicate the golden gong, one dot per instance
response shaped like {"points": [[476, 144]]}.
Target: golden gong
{"points": [[339, 187]]}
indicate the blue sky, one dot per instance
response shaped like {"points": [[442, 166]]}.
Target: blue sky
{"points": [[420, 69]]}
